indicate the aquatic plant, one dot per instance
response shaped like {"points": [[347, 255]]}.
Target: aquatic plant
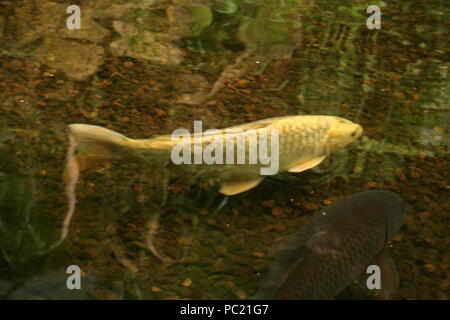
{"points": [[23, 230]]}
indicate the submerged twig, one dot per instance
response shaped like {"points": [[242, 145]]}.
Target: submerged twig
{"points": [[152, 227], [280, 87]]}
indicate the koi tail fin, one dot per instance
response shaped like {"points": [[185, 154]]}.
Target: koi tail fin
{"points": [[91, 145]]}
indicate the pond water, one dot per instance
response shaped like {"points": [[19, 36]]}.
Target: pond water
{"points": [[149, 67]]}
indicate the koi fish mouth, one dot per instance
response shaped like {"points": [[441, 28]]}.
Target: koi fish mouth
{"points": [[357, 132]]}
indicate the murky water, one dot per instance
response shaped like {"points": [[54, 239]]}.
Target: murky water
{"points": [[145, 68]]}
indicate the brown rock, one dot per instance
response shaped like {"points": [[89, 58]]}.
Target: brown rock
{"points": [[401, 175], [77, 60], [258, 254], [431, 268], [267, 228], [415, 175], [111, 229], [372, 185], [142, 198], [268, 203], [445, 284], [243, 83], [311, 206], [410, 223], [128, 64], [92, 253], [277, 212], [430, 242], [186, 283], [219, 266], [90, 29], [279, 227], [425, 214], [221, 250]]}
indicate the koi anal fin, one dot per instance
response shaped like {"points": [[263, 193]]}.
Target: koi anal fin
{"points": [[232, 187]]}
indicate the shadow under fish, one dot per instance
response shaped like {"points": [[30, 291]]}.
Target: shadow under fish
{"points": [[328, 257]]}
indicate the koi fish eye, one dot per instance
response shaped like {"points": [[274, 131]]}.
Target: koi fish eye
{"points": [[354, 133]]}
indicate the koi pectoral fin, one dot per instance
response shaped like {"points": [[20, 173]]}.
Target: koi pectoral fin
{"points": [[389, 275], [232, 187], [389, 280], [305, 165]]}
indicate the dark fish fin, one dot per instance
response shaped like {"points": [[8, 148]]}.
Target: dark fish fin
{"points": [[389, 275], [290, 253], [389, 281]]}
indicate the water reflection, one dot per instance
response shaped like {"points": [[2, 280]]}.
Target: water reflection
{"points": [[149, 67]]}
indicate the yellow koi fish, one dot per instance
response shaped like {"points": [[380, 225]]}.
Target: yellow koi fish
{"points": [[238, 156]]}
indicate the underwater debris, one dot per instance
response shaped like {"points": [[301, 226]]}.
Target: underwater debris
{"points": [[23, 228]]}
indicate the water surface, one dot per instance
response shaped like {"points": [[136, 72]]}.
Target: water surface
{"points": [[150, 67]]}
